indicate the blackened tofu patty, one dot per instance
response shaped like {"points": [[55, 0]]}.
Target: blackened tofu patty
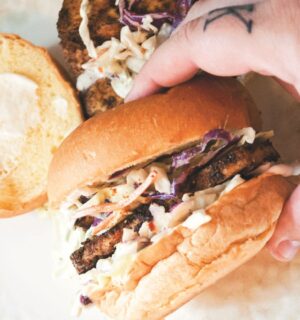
{"points": [[237, 159], [103, 245], [100, 97], [84, 222]]}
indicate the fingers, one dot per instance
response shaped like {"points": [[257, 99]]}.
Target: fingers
{"points": [[286, 240], [227, 42], [181, 56], [201, 8], [222, 49], [169, 65]]}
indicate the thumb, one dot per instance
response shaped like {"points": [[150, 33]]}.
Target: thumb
{"points": [[285, 242]]}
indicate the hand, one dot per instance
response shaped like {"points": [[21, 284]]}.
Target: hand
{"points": [[285, 242], [264, 37]]}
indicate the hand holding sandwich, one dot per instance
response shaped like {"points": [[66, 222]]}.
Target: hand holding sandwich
{"points": [[168, 201], [229, 38]]}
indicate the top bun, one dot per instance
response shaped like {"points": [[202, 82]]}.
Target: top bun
{"points": [[145, 129], [39, 108]]}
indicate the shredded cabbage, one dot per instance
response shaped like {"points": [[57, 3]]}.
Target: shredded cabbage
{"points": [[186, 161], [190, 209], [130, 18], [220, 136], [121, 59]]}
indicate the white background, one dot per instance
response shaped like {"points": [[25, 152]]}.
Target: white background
{"points": [[261, 289]]}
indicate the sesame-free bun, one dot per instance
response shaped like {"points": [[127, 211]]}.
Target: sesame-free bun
{"points": [[172, 271], [145, 129], [23, 170]]}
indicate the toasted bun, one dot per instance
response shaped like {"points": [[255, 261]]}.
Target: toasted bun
{"points": [[145, 129], [173, 270], [169, 273], [23, 178]]}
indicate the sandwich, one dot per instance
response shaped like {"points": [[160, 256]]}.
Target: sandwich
{"points": [[38, 109], [106, 43], [161, 198]]}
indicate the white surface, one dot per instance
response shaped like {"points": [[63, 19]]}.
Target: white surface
{"points": [[262, 289]]}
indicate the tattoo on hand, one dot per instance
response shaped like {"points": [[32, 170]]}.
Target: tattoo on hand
{"points": [[236, 11]]}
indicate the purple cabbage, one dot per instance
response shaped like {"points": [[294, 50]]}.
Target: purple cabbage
{"points": [[185, 162], [134, 20], [184, 157], [84, 300], [180, 179], [99, 219], [169, 201], [161, 196], [96, 221], [182, 6]]}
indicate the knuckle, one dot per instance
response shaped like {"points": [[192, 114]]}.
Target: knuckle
{"points": [[188, 32]]}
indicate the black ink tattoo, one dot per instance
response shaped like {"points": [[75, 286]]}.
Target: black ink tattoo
{"points": [[236, 11]]}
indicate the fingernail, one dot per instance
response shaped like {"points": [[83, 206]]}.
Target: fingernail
{"points": [[296, 244], [288, 249], [129, 97], [131, 94]]}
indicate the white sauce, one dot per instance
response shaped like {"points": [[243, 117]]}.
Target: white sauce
{"points": [[147, 23], [248, 135], [60, 106], [88, 78], [114, 270], [136, 177], [118, 59], [162, 183], [233, 183], [84, 29], [18, 113]]}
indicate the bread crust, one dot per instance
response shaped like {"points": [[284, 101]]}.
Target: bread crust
{"points": [[173, 270], [20, 208], [145, 129], [177, 268], [10, 204]]}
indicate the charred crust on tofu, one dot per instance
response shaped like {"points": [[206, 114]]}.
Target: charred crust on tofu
{"points": [[103, 246], [236, 159], [84, 222], [100, 97]]}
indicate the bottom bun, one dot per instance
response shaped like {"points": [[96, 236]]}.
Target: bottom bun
{"points": [[180, 265]]}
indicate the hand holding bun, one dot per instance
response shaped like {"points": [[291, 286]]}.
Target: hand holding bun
{"points": [[170, 194], [285, 242], [230, 38]]}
